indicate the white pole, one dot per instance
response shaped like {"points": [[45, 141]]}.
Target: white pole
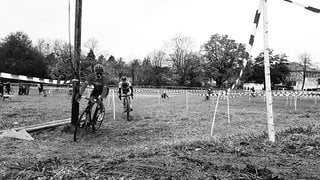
{"points": [[295, 102], [214, 115], [228, 92], [114, 107], [108, 102], [159, 103], [267, 75], [159, 97], [287, 99], [187, 100]]}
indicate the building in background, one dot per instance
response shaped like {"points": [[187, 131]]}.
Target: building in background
{"points": [[312, 80]]}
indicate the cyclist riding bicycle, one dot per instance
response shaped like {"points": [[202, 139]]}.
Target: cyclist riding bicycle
{"points": [[125, 88], [100, 85]]}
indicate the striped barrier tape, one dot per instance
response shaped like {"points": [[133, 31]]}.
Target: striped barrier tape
{"points": [[217, 94], [256, 23], [33, 79], [236, 95], [179, 91], [310, 8], [251, 40]]}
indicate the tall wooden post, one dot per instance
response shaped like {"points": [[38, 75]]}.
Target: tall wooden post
{"points": [[76, 62], [267, 75]]}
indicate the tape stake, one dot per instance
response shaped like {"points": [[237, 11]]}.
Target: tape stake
{"points": [[214, 115], [228, 106]]}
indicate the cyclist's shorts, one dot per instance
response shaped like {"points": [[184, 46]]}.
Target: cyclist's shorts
{"points": [[125, 91]]}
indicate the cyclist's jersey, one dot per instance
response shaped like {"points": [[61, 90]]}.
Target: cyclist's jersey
{"points": [[97, 84], [125, 86]]}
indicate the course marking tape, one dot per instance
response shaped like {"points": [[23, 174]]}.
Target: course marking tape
{"points": [[33, 79]]}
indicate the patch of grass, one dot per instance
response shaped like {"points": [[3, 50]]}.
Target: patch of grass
{"points": [[164, 141]]}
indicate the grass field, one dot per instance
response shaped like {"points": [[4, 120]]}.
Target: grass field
{"points": [[163, 140]]}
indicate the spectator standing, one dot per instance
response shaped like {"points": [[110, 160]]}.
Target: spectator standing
{"points": [[1, 88], [40, 88], [252, 92], [8, 87], [27, 89]]}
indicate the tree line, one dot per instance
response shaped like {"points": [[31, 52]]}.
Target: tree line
{"points": [[219, 59]]}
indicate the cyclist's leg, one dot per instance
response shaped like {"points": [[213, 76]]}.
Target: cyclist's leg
{"points": [[102, 108], [124, 104], [130, 102], [101, 112], [92, 96]]}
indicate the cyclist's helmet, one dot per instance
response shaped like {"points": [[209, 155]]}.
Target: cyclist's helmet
{"points": [[98, 69], [123, 78]]}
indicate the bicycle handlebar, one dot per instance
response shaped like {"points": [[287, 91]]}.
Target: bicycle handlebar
{"points": [[94, 100], [126, 95]]}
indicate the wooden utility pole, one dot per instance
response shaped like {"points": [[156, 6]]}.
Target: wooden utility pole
{"points": [[76, 62]]}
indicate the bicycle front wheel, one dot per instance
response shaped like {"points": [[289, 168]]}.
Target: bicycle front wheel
{"points": [[81, 126], [128, 108]]}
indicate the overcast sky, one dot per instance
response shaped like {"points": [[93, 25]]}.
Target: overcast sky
{"points": [[134, 28]]}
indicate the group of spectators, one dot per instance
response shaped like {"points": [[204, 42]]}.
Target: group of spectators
{"points": [[5, 88], [24, 88]]}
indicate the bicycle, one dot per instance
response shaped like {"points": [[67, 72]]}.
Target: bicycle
{"points": [[87, 120], [126, 105]]}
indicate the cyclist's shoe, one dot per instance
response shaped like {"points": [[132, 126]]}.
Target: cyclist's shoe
{"points": [[131, 109], [100, 117], [82, 124]]}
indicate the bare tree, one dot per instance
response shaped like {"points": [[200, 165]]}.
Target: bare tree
{"points": [[135, 68], [43, 46], [305, 61], [223, 58], [180, 50], [91, 44], [157, 58]]}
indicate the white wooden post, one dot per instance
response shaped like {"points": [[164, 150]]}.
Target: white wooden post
{"points": [[159, 97], [187, 103], [214, 115], [295, 102], [271, 133], [114, 106], [228, 92], [108, 102]]}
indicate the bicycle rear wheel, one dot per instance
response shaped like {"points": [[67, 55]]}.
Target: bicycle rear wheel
{"points": [[81, 126]]}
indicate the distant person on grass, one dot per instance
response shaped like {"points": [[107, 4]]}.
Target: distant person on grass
{"points": [[253, 92], [8, 87], [40, 88], [100, 85], [209, 92], [164, 95], [1, 88], [125, 88]]}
